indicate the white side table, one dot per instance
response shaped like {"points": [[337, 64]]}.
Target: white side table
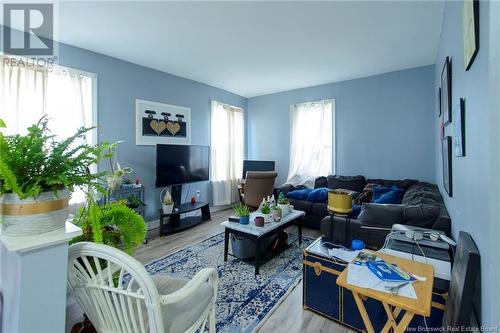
{"points": [[33, 273]]}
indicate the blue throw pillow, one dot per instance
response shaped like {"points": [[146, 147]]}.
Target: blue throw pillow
{"points": [[378, 191], [318, 195], [395, 196], [299, 194], [356, 210]]}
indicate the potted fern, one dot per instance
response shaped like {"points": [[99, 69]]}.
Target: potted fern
{"points": [[37, 175], [112, 223]]}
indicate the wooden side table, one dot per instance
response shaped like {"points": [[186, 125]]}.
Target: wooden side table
{"points": [[395, 305]]}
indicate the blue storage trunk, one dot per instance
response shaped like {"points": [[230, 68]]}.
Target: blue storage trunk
{"points": [[322, 295]]}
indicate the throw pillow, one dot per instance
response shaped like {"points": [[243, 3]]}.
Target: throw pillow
{"points": [[299, 194], [383, 215], [356, 210], [318, 195], [391, 197], [366, 195]]}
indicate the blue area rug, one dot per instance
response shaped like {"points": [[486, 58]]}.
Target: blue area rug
{"points": [[244, 300]]}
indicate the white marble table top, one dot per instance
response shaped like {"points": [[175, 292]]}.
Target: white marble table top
{"points": [[259, 231]]}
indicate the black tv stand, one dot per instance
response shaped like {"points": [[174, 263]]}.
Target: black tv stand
{"points": [[175, 223]]}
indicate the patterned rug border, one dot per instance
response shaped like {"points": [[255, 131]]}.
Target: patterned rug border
{"points": [[278, 303]]}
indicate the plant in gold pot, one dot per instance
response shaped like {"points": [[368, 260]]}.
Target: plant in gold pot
{"points": [[37, 175]]}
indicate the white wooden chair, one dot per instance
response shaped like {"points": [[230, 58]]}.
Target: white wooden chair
{"points": [[118, 295]]}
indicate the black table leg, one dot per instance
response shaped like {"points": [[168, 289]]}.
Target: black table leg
{"points": [[226, 244], [257, 256], [205, 213]]}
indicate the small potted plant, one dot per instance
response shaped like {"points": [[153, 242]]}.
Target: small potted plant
{"points": [[243, 212], [115, 178], [167, 203], [133, 201], [266, 211], [276, 214], [283, 204], [127, 183]]}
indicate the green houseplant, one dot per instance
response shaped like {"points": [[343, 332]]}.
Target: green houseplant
{"points": [[283, 204], [112, 224], [243, 212], [37, 174], [133, 201]]}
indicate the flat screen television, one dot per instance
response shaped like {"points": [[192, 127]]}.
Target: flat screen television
{"points": [[249, 165], [179, 164]]}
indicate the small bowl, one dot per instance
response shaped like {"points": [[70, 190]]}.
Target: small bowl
{"points": [[259, 221]]}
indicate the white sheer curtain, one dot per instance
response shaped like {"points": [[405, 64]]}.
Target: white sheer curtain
{"points": [[28, 92], [311, 144], [227, 150]]}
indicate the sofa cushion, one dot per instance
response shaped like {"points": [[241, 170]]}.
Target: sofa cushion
{"points": [[320, 209], [302, 205], [401, 183], [320, 182], [318, 195], [355, 183], [299, 194], [383, 215], [422, 215]]}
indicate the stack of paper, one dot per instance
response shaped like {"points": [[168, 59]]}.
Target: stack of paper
{"points": [[361, 276], [343, 254]]}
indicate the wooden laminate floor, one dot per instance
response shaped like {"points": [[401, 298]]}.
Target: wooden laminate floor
{"points": [[289, 317]]}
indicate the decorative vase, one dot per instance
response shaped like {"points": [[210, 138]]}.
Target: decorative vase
{"points": [[285, 209], [167, 209], [268, 218], [31, 216], [244, 219], [259, 221]]}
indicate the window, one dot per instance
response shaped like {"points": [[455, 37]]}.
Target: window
{"points": [[227, 151], [312, 141], [66, 96]]}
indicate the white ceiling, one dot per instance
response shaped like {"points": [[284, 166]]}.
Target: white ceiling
{"points": [[256, 48]]}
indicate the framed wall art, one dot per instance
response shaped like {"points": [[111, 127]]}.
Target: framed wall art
{"points": [[447, 169], [470, 22], [459, 128], [446, 91], [159, 123]]}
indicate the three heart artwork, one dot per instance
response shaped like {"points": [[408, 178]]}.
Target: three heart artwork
{"points": [[159, 126]]}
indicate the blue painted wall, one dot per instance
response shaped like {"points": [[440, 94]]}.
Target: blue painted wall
{"points": [[384, 125], [119, 84], [470, 206]]}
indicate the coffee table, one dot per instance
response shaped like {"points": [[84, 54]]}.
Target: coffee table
{"points": [[258, 234]]}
